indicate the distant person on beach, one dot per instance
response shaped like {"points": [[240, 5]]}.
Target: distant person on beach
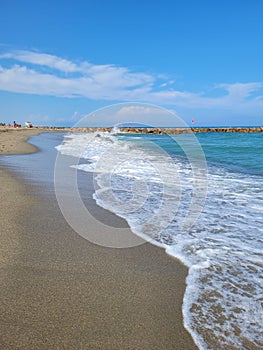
{"points": [[17, 125]]}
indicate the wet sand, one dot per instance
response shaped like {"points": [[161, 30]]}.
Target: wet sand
{"points": [[59, 291]]}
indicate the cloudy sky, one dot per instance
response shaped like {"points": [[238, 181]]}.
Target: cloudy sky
{"points": [[61, 60]]}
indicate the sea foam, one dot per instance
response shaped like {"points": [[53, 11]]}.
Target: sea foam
{"points": [[152, 188]]}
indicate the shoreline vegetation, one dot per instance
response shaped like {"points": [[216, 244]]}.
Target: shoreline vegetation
{"points": [[61, 291]]}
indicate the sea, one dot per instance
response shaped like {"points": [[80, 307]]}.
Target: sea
{"points": [[200, 198]]}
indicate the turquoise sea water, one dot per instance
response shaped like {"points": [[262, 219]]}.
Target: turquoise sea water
{"points": [[200, 198], [241, 152], [235, 151]]}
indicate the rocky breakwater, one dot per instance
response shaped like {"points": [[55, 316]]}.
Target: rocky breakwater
{"points": [[157, 131], [191, 130]]}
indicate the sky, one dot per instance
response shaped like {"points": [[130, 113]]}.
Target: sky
{"points": [[200, 59]]}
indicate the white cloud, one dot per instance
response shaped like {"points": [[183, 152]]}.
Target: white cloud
{"points": [[241, 89], [237, 97], [131, 113], [145, 114], [42, 59], [113, 83], [107, 82]]}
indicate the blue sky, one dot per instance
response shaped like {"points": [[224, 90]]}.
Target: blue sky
{"points": [[60, 60]]}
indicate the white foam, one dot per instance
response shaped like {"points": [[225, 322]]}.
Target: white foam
{"points": [[223, 250]]}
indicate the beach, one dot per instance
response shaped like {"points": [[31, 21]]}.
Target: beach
{"points": [[59, 291]]}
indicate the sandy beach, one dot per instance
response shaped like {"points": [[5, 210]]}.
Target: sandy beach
{"points": [[59, 291], [13, 141]]}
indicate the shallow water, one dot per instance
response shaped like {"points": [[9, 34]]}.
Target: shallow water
{"points": [[151, 180]]}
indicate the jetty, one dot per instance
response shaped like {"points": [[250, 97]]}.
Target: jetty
{"points": [[144, 130]]}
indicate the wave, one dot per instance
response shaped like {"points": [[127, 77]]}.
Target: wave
{"points": [[153, 188]]}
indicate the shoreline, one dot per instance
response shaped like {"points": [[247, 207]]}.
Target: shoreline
{"points": [[61, 291], [14, 140]]}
